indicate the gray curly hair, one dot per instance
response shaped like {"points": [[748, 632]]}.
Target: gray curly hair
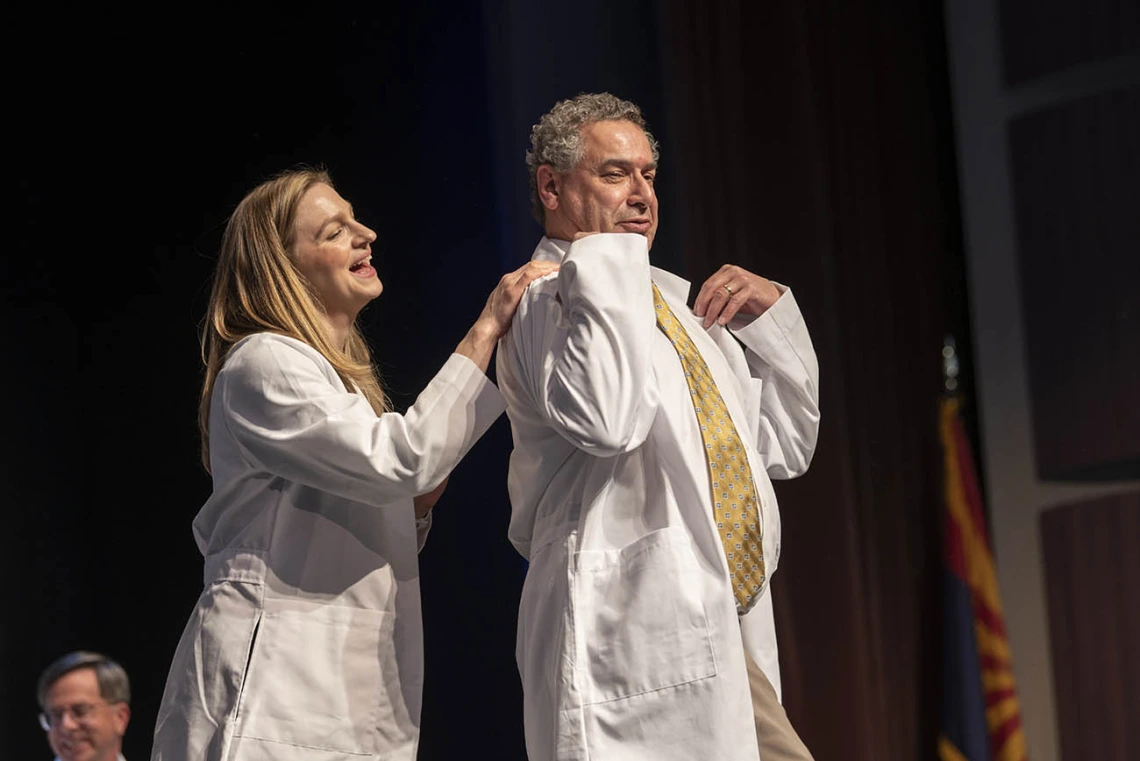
{"points": [[557, 138]]}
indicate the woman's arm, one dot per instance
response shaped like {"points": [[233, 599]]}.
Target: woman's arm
{"points": [[290, 416]]}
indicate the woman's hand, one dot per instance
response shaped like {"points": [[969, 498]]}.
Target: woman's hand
{"points": [[504, 300], [495, 319]]}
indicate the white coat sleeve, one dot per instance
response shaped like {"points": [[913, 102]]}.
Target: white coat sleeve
{"points": [[578, 355], [782, 385], [290, 420]]}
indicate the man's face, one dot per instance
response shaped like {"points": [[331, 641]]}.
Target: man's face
{"points": [[611, 189], [84, 726]]}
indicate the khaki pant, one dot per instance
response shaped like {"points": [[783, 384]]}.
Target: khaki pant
{"points": [[777, 738]]}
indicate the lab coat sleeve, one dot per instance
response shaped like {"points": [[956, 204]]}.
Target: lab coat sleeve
{"points": [[578, 355], [782, 385], [291, 420]]}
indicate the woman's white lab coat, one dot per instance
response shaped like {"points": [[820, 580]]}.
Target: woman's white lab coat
{"points": [[307, 641]]}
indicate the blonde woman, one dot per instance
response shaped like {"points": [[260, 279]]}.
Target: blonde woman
{"points": [[306, 642]]}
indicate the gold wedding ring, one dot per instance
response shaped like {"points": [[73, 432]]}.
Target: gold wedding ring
{"points": [[725, 286]]}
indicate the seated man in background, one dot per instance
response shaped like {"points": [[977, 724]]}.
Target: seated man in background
{"points": [[85, 698]]}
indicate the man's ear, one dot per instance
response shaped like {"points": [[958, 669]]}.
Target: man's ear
{"points": [[548, 183], [121, 713]]}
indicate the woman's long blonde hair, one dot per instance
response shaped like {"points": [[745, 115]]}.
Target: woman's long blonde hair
{"points": [[257, 288]]}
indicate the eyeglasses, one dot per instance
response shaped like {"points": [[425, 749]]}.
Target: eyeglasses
{"points": [[80, 712]]}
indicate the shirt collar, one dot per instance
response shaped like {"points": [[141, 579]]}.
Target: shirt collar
{"points": [[675, 288], [551, 250]]}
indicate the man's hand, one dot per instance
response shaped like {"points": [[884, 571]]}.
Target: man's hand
{"points": [[425, 502], [734, 289]]}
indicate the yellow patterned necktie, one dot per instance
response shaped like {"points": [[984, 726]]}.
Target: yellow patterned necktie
{"points": [[735, 504]]}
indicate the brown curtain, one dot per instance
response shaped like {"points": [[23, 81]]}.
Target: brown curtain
{"points": [[810, 144]]}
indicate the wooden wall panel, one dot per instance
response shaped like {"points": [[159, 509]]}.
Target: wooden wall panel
{"points": [[1042, 37], [1092, 570], [1076, 187]]}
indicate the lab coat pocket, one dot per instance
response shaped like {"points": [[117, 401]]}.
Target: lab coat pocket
{"points": [[314, 677], [640, 618]]}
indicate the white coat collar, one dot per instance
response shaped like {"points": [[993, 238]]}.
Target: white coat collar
{"points": [[675, 288]]}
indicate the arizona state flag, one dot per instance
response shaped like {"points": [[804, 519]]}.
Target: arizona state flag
{"points": [[981, 719]]}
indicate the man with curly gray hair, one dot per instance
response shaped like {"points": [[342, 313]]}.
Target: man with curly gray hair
{"points": [[646, 438], [557, 138]]}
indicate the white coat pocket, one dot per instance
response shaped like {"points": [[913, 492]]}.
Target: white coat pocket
{"points": [[639, 617], [314, 678]]}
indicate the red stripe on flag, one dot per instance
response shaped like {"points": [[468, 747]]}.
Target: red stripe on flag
{"points": [[988, 616], [998, 735], [996, 696], [969, 480], [993, 663]]}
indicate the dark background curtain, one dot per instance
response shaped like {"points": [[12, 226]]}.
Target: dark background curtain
{"points": [[807, 141], [814, 145]]}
